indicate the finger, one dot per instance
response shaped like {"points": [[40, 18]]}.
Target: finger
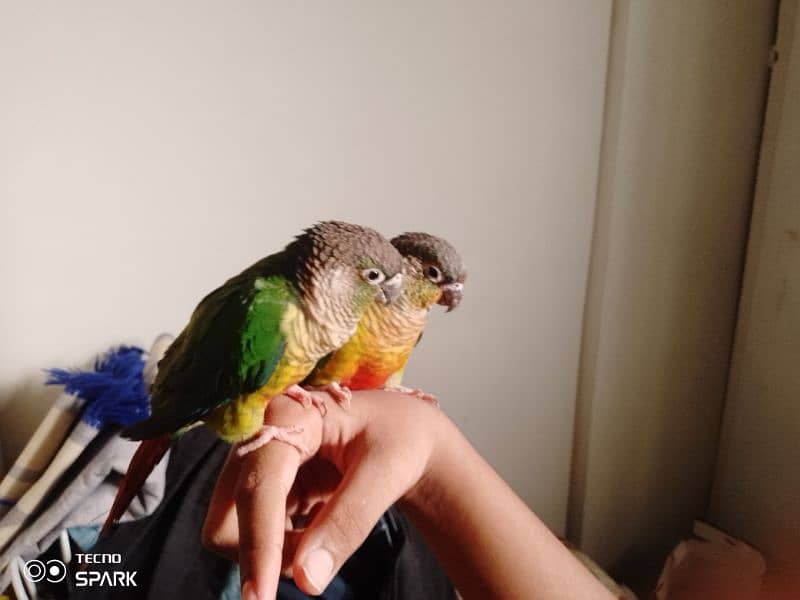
{"points": [[315, 483], [264, 481], [290, 543], [221, 527], [368, 488]]}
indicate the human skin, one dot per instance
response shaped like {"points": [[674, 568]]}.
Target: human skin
{"points": [[385, 448]]}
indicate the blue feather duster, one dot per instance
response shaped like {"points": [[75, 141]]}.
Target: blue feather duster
{"points": [[114, 393]]}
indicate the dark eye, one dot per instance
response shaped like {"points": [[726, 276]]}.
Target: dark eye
{"points": [[433, 273], [374, 276]]}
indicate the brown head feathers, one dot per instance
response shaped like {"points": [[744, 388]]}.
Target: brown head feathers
{"points": [[332, 244], [432, 250]]}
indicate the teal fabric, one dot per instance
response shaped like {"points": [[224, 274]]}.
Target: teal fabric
{"points": [[84, 536], [232, 591]]}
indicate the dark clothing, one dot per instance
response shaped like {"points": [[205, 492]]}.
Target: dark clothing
{"points": [[170, 563]]}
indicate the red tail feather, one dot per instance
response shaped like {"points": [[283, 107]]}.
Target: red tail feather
{"points": [[147, 456]]}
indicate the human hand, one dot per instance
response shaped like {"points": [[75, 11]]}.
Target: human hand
{"points": [[277, 511]]}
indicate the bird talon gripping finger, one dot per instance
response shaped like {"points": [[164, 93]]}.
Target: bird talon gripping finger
{"points": [[306, 398], [341, 394], [416, 392], [269, 433]]}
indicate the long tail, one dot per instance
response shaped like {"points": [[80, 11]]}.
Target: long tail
{"points": [[144, 460]]}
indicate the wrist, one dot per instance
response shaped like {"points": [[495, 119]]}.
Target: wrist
{"points": [[428, 497]]}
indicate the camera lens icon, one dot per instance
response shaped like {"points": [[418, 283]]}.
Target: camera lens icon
{"points": [[54, 571], [34, 571]]}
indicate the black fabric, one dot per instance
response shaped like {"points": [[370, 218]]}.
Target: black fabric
{"points": [[165, 550]]}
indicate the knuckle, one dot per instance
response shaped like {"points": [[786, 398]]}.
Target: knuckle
{"points": [[347, 527], [215, 540], [247, 486], [252, 483], [263, 547]]}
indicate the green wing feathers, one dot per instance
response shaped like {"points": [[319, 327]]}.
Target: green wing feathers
{"points": [[262, 342], [230, 347]]}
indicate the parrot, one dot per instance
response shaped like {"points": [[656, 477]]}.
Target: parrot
{"points": [[376, 355], [259, 335]]}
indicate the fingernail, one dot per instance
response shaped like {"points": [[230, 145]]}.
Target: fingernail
{"points": [[319, 568], [249, 591]]}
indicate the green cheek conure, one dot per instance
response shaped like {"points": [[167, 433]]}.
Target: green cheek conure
{"points": [[259, 335], [386, 335]]}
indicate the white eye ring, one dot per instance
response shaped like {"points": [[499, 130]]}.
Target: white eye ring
{"points": [[433, 273], [373, 276]]}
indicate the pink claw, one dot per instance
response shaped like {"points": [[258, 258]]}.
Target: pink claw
{"points": [[273, 432], [341, 394], [306, 398], [416, 392]]}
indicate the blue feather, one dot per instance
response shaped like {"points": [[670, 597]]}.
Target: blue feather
{"points": [[114, 393]]}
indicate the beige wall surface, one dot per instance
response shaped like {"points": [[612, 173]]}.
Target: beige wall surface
{"points": [[687, 82], [149, 150], [757, 488]]}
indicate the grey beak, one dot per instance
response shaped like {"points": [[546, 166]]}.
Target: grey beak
{"points": [[391, 288], [451, 295]]}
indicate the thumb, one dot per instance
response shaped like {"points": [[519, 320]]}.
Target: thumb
{"points": [[344, 523]]}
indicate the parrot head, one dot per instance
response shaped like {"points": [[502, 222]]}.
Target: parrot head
{"points": [[343, 267], [435, 265]]}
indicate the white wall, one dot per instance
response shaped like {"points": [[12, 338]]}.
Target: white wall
{"points": [[687, 82], [757, 488], [148, 150]]}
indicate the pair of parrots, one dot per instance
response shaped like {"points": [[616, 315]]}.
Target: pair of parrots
{"points": [[339, 308]]}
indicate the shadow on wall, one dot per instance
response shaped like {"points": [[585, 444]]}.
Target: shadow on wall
{"points": [[676, 181]]}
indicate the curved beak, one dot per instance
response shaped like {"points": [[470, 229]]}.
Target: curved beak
{"points": [[451, 295], [390, 289]]}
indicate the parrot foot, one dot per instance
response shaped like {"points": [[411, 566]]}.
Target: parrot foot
{"points": [[416, 392], [269, 433], [306, 398], [341, 394]]}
